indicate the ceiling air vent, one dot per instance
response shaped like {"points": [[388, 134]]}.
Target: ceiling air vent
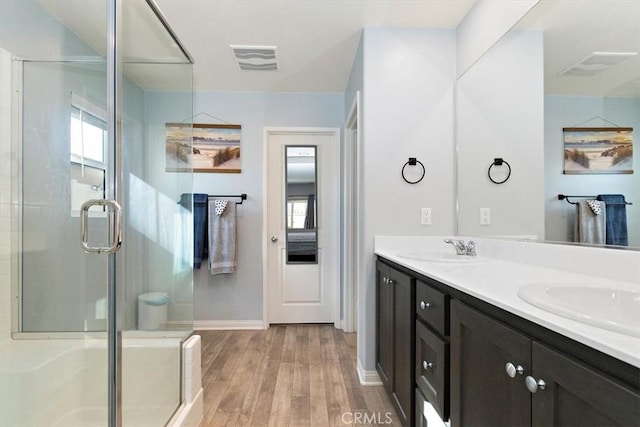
{"points": [[597, 62], [255, 58]]}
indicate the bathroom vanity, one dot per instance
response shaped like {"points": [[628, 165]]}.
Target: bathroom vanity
{"points": [[454, 336]]}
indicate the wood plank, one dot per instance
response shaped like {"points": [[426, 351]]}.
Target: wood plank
{"points": [[289, 345], [350, 378], [300, 411], [263, 341], [281, 406], [318, 400], [315, 353]]}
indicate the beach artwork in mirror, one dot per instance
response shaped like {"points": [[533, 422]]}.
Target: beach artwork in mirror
{"points": [[598, 150], [301, 209]]}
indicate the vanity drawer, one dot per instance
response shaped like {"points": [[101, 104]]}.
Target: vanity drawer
{"points": [[432, 306], [432, 368]]}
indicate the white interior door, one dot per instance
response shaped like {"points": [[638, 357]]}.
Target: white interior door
{"points": [[302, 225]]}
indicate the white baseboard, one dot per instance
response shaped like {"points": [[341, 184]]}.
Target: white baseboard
{"points": [[368, 378], [211, 325]]}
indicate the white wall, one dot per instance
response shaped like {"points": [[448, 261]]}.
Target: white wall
{"points": [[238, 296], [500, 114], [484, 25], [567, 111], [408, 111]]}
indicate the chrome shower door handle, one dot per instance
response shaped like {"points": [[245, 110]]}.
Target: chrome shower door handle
{"points": [[116, 239]]}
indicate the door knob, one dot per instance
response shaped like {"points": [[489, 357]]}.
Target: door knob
{"points": [[274, 239]]}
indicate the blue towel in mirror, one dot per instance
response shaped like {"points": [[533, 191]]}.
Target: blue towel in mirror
{"points": [[616, 219], [199, 203]]}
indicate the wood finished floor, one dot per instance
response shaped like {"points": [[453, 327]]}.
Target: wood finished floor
{"points": [[289, 375]]}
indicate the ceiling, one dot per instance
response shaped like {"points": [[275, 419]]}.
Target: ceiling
{"points": [[316, 39], [575, 29]]}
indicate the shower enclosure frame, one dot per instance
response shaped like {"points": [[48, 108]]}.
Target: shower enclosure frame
{"points": [[114, 132]]}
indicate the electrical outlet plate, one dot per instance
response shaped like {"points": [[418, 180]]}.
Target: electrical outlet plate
{"points": [[485, 216], [425, 216]]}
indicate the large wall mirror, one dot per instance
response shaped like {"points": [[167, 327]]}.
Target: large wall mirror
{"points": [[560, 67], [301, 210]]}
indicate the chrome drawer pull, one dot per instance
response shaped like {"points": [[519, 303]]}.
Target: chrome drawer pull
{"points": [[533, 385], [426, 365], [424, 305], [512, 369]]}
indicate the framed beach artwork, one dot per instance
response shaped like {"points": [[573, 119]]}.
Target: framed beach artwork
{"points": [[598, 150], [216, 148]]}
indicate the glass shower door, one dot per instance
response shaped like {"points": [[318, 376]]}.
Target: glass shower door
{"points": [[72, 351]]}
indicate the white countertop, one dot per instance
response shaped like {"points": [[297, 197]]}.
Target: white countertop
{"points": [[497, 281]]}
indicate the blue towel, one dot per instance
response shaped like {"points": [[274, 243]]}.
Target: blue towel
{"points": [[616, 219], [199, 204]]}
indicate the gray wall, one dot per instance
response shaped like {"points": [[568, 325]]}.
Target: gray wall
{"points": [[239, 296], [567, 111], [407, 111]]}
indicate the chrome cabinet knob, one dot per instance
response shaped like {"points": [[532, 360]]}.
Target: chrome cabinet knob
{"points": [[512, 369], [391, 282], [533, 385], [385, 280], [424, 305], [426, 365], [274, 239]]}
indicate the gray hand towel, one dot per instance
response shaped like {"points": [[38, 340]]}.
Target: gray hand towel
{"points": [[222, 239], [589, 227]]}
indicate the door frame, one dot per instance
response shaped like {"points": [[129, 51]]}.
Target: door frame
{"points": [[350, 224], [268, 131]]}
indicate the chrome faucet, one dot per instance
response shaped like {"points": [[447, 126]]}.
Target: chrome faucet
{"points": [[462, 249]]}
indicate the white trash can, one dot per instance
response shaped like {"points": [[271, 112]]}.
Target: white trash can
{"points": [[152, 311]]}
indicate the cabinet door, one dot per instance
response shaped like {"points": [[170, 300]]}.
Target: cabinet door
{"points": [[384, 325], [482, 394], [576, 395], [403, 350]]}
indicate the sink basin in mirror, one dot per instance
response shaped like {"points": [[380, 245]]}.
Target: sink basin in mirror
{"points": [[448, 257], [612, 307]]}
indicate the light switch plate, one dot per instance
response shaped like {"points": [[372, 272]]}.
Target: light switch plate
{"points": [[485, 216], [425, 216]]}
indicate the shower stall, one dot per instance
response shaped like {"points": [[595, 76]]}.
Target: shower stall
{"points": [[96, 289]]}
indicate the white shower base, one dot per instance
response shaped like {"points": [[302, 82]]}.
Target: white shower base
{"points": [[63, 382]]}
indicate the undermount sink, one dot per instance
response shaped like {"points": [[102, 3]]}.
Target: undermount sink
{"points": [[440, 257], [612, 307]]}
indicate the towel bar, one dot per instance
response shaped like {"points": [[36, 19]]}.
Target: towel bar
{"points": [[566, 197]]}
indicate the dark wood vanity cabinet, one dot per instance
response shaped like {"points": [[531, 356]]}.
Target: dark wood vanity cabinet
{"points": [[540, 387], [394, 337], [479, 365]]}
